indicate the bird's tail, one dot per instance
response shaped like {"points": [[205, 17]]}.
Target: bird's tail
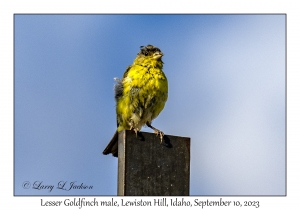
{"points": [[112, 146]]}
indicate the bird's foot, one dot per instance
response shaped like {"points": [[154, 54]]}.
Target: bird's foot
{"points": [[160, 133], [135, 130], [156, 131]]}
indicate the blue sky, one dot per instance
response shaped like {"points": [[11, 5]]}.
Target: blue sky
{"points": [[226, 78]]}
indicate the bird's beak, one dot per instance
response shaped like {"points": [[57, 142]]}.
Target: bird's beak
{"points": [[157, 55]]}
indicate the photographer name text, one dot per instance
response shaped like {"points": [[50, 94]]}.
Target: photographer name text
{"points": [[61, 185]]}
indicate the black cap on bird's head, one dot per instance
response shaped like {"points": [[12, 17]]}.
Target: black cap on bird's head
{"points": [[151, 50]]}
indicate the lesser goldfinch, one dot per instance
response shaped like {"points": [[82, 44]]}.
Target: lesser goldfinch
{"points": [[140, 95]]}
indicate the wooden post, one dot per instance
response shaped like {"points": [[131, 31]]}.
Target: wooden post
{"points": [[148, 167]]}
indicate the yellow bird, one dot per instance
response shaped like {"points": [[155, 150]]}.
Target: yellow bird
{"points": [[140, 95]]}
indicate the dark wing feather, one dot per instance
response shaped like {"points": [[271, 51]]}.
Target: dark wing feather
{"points": [[118, 89]]}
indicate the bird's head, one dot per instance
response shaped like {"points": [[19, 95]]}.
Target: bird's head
{"points": [[151, 52]]}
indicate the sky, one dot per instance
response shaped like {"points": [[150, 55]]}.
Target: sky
{"points": [[226, 77]]}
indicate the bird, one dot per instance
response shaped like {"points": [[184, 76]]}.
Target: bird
{"points": [[140, 95]]}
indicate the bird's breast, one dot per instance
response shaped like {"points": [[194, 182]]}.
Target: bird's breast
{"points": [[149, 78]]}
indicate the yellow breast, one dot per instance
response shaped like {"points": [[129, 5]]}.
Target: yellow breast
{"points": [[144, 95]]}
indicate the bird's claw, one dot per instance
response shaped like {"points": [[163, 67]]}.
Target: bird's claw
{"points": [[135, 130], [160, 133]]}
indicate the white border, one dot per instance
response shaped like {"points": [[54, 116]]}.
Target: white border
{"points": [[9, 8]]}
